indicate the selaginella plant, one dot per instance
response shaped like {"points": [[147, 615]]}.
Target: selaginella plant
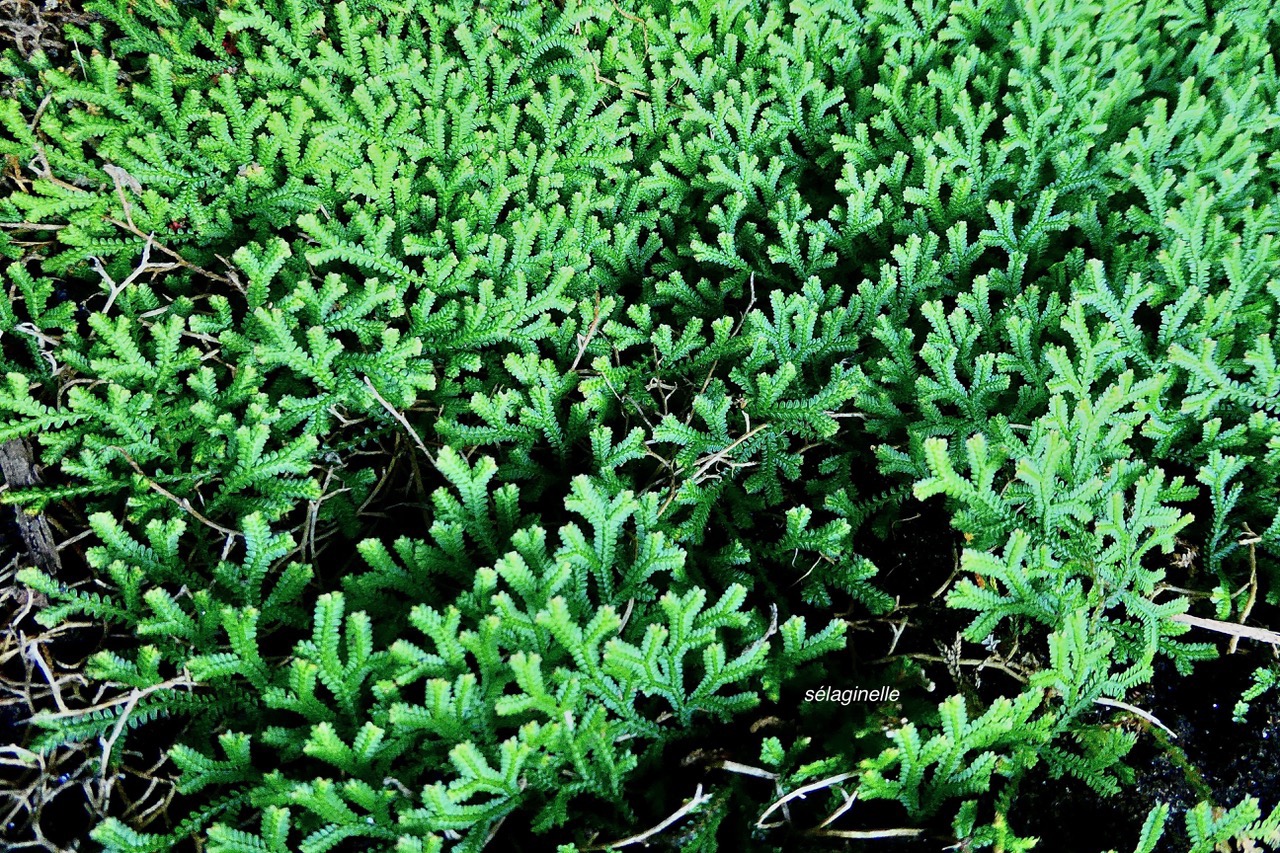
{"points": [[473, 408]]}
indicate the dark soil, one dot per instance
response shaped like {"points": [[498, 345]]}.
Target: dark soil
{"points": [[1227, 761]]}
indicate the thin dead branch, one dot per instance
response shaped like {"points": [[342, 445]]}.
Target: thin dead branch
{"points": [[698, 799], [1229, 628], [866, 834], [1250, 539], [1133, 709], [400, 419], [803, 791]]}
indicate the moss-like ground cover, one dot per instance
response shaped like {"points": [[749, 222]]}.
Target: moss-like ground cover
{"points": [[439, 426]]}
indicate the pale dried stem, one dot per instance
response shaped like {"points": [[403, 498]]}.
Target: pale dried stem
{"points": [[1251, 539], [1229, 628], [1133, 709], [698, 799], [401, 419], [803, 791], [866, 834]]}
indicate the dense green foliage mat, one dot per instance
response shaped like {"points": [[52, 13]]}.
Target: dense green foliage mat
{"points": [[473, 412]]}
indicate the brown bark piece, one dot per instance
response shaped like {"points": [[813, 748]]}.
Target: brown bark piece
{"points": [[17, 464]]}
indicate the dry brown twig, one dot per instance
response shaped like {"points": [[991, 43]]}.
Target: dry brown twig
{"points": [[121, 180], [106, 779], [35, 654], [985, 663], [849, 800], [32, 781], [705, 463], [585, 340], [711, 459], [644, 27], [37, 25], [1133, 709], [1250, 539], [745, 769], [866, 834], [1229, 628], [136, 812], [698, 799], [400, 419], [600, 78], [144, 266], [955, 570], [802, 792], [183, 503]]}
